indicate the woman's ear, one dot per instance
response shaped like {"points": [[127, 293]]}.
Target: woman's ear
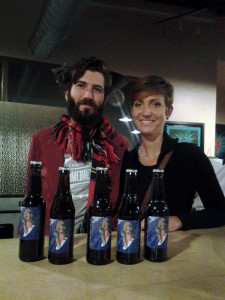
{"points": [[169, 112]]}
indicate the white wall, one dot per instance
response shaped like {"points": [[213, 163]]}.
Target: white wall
{"points": [[220, 109], [197, 103]]}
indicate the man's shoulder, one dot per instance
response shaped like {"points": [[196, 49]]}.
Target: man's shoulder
{"points": [[118, 138], [43, 133]]}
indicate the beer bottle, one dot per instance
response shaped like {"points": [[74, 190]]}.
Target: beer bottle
{"points": [[156, 221], [32, 218], [99, 222], [61, 228], [128, 224]]}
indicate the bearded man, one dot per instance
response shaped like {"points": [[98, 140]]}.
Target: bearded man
{"points": [[83, 140]]}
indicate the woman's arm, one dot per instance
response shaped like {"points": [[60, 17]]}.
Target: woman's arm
{"points": [[209, 190]]}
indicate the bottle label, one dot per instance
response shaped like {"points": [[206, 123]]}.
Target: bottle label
{"points": [[100, 233], [128, 236], [30, 223], [61, 235], [157, 232]]}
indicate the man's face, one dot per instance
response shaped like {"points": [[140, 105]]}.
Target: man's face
{"points": [[86, 99]]}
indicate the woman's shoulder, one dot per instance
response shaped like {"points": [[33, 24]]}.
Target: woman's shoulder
{"points": [[189, 147], [133, 152], [131, 157], [190, 151]]}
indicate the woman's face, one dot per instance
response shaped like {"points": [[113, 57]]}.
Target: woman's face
{"points": [[149, 113], [61, 235]]}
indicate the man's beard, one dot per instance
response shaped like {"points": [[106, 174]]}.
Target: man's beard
{"points": [[85, 118]]}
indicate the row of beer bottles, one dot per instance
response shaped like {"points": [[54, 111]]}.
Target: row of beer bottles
{"points": [[99, 219], [32, 220], [155, 218]]}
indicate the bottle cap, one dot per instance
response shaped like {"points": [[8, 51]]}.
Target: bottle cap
{"points": [[64, 170], [158, 171], [35, 164], [102, 169], [131, 171]]}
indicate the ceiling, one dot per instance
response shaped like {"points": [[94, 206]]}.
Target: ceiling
{"points": [[18, 20], [103, 28], [185, 3]]}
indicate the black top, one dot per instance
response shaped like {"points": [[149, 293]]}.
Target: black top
{"points": [[187, 172]]}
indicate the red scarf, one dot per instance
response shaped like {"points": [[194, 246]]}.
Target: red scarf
{"points": [[83, 146]]}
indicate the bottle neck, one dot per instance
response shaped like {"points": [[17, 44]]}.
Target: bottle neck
{"points": [[100, 192], [34, 187], [131, 186], [63, 183], [158, 188]]}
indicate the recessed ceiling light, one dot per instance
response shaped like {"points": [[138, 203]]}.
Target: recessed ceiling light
{"points": [[125, 119], [135, 131]]}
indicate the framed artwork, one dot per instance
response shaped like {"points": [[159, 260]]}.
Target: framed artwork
{"points": [[186, 132], [220, 141]]}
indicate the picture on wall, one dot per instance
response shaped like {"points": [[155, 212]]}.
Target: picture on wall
{"points": [[220, 141], [186, 132]]}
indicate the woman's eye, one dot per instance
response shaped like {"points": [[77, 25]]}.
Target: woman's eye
{"points": [[137, 104], [156, 104]]}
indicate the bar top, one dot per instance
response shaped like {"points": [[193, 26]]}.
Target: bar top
{"points": [[195, 269]]}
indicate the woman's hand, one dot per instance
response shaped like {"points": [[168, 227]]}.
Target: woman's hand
{"points": [[143, 224], [174, 224]]}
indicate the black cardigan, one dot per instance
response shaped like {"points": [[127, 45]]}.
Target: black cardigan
{"points": [[187, 172]]}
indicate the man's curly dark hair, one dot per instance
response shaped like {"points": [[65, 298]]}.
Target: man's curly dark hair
{"points": [[67, 76]]}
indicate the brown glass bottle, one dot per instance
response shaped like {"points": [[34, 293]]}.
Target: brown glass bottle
{"points": [[32, 218], [99, 222], [128, 224], [61, 228], [156, 221]]}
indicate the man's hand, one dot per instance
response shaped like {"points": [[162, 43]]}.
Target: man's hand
{"points": [[174, 224]]}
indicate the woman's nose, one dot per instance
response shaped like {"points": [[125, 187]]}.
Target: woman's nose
{"points": [[147, 110]]}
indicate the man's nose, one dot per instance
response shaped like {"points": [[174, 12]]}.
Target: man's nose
{"points": [[88, 93]]}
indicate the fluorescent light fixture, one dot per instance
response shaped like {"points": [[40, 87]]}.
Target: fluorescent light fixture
{"points": [[135, 131], [125, 119]]}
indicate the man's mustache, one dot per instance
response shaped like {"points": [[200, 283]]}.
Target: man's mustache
{"points": [[87, 102]]}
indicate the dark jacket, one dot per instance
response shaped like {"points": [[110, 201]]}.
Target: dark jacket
{"points": [[187, 172]]}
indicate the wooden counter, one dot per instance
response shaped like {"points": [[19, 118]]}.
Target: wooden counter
{"points": [[195, 269]]}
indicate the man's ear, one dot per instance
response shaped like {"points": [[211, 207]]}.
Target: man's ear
{"points": [[66, 93], [105, 99]]}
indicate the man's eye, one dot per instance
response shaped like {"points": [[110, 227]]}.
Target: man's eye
{"points": [[80, 85], [98, 90]]}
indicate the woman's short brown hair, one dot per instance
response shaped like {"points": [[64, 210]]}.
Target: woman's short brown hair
{"points": [[152, 84]]}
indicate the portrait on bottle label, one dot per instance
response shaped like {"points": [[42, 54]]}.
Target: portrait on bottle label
{"points": [[60, 237], [100, 233], [157, 232], [30, 223], [128, 236]]}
